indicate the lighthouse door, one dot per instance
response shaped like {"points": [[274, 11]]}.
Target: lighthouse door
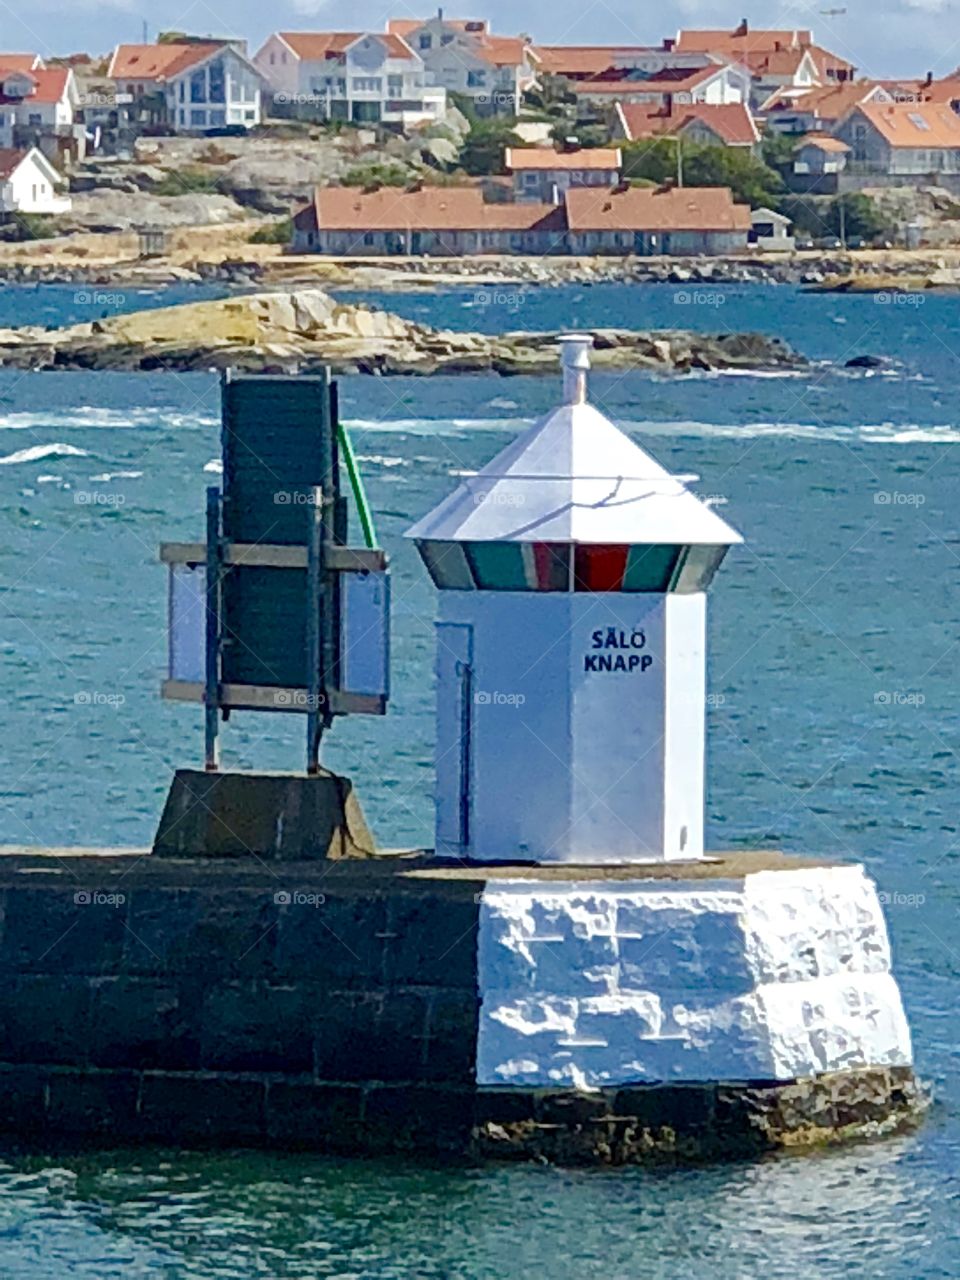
{"points": [[454, 727]]}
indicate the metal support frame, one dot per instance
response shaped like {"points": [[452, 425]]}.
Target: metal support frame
{"points": [[315, 602], [212, 672]]}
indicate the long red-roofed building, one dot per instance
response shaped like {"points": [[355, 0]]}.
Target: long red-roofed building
{"points": [[453, 221]]}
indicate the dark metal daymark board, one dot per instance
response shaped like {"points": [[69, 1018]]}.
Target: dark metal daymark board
{"points": [[272, 436]]}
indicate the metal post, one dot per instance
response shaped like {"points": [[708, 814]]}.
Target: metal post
{"points": [[315, 601], [330, 582], [212, 689]]}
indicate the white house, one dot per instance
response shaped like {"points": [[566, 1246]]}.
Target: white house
{"points": [[35, 102], [714, 82], [462, 56], [29, 183], [366, 77], [204, 84]]}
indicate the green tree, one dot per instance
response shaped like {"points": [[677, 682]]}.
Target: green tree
{"points": [[483, 148], [747, 177]]}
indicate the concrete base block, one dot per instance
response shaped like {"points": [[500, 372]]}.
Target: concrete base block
{"points": [[279, 816]]}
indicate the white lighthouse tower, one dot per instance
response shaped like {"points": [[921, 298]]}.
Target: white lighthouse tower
{"points": [[571, 646]]}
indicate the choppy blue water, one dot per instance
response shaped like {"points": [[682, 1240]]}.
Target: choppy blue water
{"points": [[834, 728]]}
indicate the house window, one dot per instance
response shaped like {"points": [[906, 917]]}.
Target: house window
{"points": [[218, 88], [35, 118], [273, 59], [426, 42], [198, 119], [250, 116], [183, 91], [183, 117], [446, 39], [218, 119], [476, 79], [395, 86], [368, 238], [198, 86], [367, 84], [3, 119]]}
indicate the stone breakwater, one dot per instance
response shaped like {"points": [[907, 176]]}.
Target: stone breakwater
{"points": [[340, 1007], [307, 329]]}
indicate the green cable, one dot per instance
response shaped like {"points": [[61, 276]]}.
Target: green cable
{"points": [[356, 484]]}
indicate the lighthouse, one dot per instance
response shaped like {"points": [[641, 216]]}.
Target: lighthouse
{"points": [[571, 646]]}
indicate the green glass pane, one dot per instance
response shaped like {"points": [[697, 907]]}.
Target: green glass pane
{"points": [[498, 566], [650, 567]]}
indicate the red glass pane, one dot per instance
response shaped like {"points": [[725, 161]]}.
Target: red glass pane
{"points": [[600, 568], [552, 564]]}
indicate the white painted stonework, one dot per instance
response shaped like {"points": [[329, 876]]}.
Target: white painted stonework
{"points": [[777, 975]]}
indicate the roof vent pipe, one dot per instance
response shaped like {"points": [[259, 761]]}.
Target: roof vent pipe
{"points": [[575, 359]]}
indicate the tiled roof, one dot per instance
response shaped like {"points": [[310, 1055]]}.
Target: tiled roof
{"points": [[823, 142], [393, 208], [547, 159], [585, 61], [10, 159], [20, 61], [913, 124], [48, 86], [500, 51], [827, 102], [655, 209], [669, 80], [157, 61], [712, 41], [946, 90], [405, 26], [315, 46], [732, 122]]}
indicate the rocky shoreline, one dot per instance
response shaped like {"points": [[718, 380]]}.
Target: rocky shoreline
{"points": [[305, 329], [823, 272]]}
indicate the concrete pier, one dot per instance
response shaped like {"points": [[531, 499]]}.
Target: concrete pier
{"points": [[336, 1006]]}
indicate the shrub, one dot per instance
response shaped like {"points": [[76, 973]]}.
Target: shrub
{"points": [[704, 166], [186, 181], [274, 233], [374, 174]]}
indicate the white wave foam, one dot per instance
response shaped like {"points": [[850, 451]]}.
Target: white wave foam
{"points": [[38, 451], [214, 466], [93, 417], [106, 476], [867, 433]]}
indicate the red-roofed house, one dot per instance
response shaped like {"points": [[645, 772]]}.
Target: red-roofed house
{"points": [[819, 154], [29, 183], [649, 220], [777, 59], [37, 106], [203, 84], [461, 55], [902, 139], [728, 125], [451, 221], [681, 83], [543, 174], [21, 62], [367, 77], [821, 108]]}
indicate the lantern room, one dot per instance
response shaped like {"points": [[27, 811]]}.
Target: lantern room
{"points": [[571, 646]]}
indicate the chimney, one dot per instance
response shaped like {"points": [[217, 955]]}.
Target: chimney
{"points": [[929, 80], [575, 359], [668, 44], [743, 28]]}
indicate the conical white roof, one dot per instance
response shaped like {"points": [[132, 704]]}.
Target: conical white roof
{"points": [[574, 477]]}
